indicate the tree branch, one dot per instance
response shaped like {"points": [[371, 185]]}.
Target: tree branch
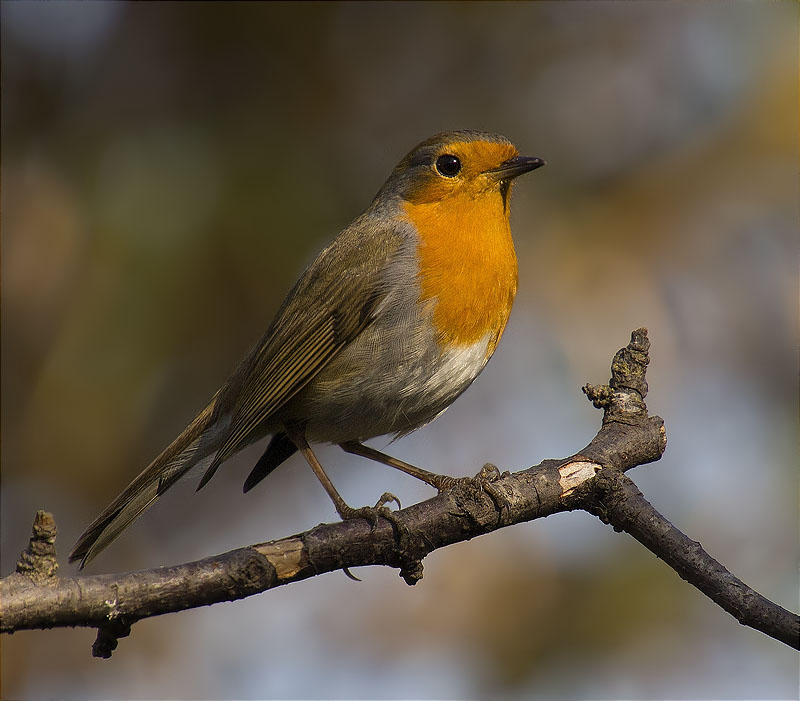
{"points": [[619, 502], [592, 480]]}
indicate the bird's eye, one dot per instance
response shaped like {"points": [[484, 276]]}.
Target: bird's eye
{"points": [[448, 165]]}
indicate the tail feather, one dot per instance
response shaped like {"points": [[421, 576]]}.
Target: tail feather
{"points": [[197, 444], [280, 448]]}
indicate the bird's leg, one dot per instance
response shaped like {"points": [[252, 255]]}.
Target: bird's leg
{"points": [[488, 473], [346, 512], [440, 482]]}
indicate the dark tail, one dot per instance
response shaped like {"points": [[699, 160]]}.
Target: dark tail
{"points": [[279, 449]]}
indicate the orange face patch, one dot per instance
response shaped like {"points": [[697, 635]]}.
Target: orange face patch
{"points": [[467, 259], [477, 158]]}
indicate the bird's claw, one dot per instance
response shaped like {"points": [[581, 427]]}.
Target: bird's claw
{"points": [[484, 481], [488, 475], [388, 498], [380, 510], [373, 513]]}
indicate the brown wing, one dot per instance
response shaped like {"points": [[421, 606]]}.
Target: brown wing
{"points": [[334, 300]]}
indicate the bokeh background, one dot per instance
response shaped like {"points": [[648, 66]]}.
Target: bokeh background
{"points": [[169, 168]]}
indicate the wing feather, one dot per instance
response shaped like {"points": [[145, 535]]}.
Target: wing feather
{"points": [[331, 304]]}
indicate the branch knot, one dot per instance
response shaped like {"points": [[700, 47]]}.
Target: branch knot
{"points": [[38, 560], [622, 399]]}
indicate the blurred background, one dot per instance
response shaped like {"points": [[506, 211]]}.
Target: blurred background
{"points": [[169, 168]]}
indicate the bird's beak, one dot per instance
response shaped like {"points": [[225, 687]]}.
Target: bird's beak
{"points": [[513, 167]]}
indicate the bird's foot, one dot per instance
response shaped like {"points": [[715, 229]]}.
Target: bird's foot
{"points": [[372, 513], [488, 473], [401, 532], [484, 481], [380, 510]]}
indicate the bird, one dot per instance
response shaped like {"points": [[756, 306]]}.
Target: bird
{"points": [[380, 335]]}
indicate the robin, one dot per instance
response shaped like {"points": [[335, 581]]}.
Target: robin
{"points": [[385, 329]]}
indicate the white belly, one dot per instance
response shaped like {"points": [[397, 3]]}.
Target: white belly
{"points": [[393, 394]]}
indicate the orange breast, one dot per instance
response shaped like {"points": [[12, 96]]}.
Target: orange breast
{"points": [[467, 266]]}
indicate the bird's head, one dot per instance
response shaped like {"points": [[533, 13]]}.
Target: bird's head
{"points": [[459, 164]]}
